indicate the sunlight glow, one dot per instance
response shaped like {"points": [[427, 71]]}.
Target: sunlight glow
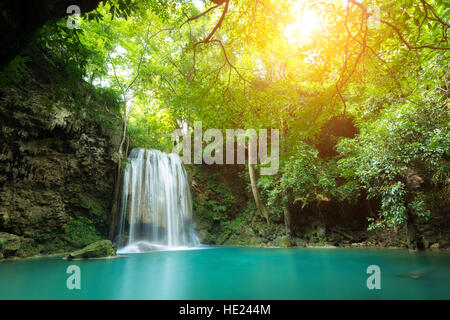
{"points": [[306, 23]]}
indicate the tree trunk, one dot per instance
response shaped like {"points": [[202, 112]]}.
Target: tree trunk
{"points": [[413, 184], [259, 205], [116, 198], [411, 232], [287, 214], [287, 198], [115, 205], [322, 217], [124, 133]]}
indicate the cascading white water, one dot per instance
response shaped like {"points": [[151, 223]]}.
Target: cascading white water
{"points": [[156, 206]]}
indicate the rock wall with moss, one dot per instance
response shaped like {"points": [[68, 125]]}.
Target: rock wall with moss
{"points": [[225, 214], [57, 159], [224, 211]]}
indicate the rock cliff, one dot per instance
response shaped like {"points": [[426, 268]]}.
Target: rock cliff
{"points": [[57, 161]]}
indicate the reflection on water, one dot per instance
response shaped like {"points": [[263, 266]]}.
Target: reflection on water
{"points": [[235, 273]]}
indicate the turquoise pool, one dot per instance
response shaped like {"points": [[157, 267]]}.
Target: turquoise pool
{"points": [[235, 273]]}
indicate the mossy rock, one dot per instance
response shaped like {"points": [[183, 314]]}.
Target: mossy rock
{"points": [[206, 237], [99, 249], [283, 242], [9, 243], [27, 248], [434, 246], [300, 242]]}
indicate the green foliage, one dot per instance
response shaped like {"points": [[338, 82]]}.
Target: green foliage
{"points": [[80, 231], [217, 202], [231, 229], [305, 178], [124, 163], [14, 71], [98, 214], [393, 81], [215, 209], [151, 130], [405, 137], [68, 58], [220, 207], [105, 109]]}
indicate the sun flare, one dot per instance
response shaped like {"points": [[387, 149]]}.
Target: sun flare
{"points": [[306, 23]]}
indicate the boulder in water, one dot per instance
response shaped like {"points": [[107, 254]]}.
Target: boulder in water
{"points": [[98, 249], [434, 246]]}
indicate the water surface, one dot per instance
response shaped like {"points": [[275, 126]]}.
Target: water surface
{"points": [[235, 273]]}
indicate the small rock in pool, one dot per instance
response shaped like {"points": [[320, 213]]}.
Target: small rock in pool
{"points": [[99, 249]]}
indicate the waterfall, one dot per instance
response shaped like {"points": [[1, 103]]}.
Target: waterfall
{"points": [[156, 206]]}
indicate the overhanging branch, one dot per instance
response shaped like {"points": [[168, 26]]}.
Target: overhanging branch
{"points": [[396, 30]]}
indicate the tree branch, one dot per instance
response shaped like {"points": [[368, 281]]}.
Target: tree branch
{"points": [[396, 30], [219, 23], [199, 15]]}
